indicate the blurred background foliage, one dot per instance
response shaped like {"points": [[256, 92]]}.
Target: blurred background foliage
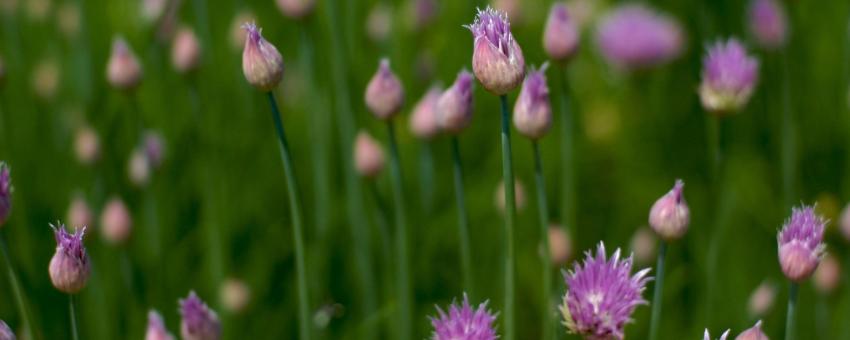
{"points": [[219, 200]]}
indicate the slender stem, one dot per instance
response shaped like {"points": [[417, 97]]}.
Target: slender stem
{"points": [[543, 212], [462, 220], [73, 317], [510, 215], [567, 155], [16, 289], [404, 323], [426, 175], [792, 308], [295, 207], [657, 297]]}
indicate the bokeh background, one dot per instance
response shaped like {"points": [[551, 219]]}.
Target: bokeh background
{"points": [[219, 204]]}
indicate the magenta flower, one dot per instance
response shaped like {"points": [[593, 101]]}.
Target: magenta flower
{"points": [[464, 322], [454, 108], [601, 295], [199, 322], [768, 23], [69, 268], [634, 37], [532, 111], [729, 76], [801, 244], [5, 193], [497, 59]]}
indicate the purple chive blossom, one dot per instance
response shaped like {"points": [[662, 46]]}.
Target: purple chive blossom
{"points": [[454, 108], [601, 295], [69, 268], [801, 244], [561, 36], [199, 322], [532, 111], [5, 193], [6, 332], [262, 64], [634, 37], [156, 328], [768, 23], [497, 59], [464, 322], [670, 216], [707, 336], [728, 77]]}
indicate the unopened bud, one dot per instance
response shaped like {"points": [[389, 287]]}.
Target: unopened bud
{"points": [[384, 94], [123, 70], [368, 155], [262, 64], [670, 216], [69, 268]]}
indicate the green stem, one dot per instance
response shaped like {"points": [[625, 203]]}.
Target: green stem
{"points": [[426, 175], [788, 137], [567, 155], [403, 279], [73, 317], [792, 308], [657, 298], [462, 219], [510, 215], [295, 207], [16, 289], [543, 212]]}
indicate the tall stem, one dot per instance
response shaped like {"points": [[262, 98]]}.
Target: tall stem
{"points": [[74, 334], [792, 308], [510, 215], [462, 220], [788, 136], [543, 212], [16, 289], [297, 233], [657, 298], [567, 154], [403, 279]]}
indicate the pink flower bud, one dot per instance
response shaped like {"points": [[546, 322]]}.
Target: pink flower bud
{"points": [[643, 245], [561, 36], [368, 155], [69, 268], [156, 328], [454, 108], [79, 213], [532, 111], [384, 94], [6, 332], [235, 295], [761, 300], [423, 122], [86, 145], [560, 245], [670, 216], [296, 9], [497, 59], [138, 168], [45, 79], [754, 333], [379, 23], [115, 222], [801, 243], [828, 275], [768, 23], [123, 70], [519, 196], [262, 64], [185, 51]]}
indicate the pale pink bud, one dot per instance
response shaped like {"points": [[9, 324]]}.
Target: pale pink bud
{"points": [[532, 111], [238, 36], [87, 145], [423, 122], [561, 36], [828, 274], [69, 268], [296, 9], [123, 70], [156, 328], [801, 244], [754, 333], [497, 59], [138, 168], [262, 64], [768, 23], [560, 245], [379, 23], [384, 94], [185, 51], [519, 196], [670, 216], [45, 79], [368, 155], [643, 245], [454, 108], [115, 222], [79, 213], [761, 300], [235, 295]]}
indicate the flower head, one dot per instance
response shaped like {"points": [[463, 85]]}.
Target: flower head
{"points": [[454, 109], [670, 216], [185, 50], [464, 322], [768, 23], [234, 295], [262, 64], [497, 59], [754, 333], [69, 268], [368, 155], [156, 327], [384, 94], [532, 111], [729, 76], [115, 222], [707, 336], [601, 295], [199, 322], [5, 193], [423, 122], [296, 9], [6, 332], [634, 37], [123, 71], [560, 245], [138, 168], [801, 244], [561, 36]]}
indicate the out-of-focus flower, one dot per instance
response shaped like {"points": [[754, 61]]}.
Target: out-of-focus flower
{"points": [[199, 322], [464, 322], [154, 146], [761, 300], [69, 268], [151, 10], [238, 35], [560, 245], [115, 222], [422, 13], [45, 81], [753, 333], [368, 155], [532, 111], [123, 70], [602, 294], [768, 23], [138, 168], [707, 336], [379, 23], [634, 37], [561, 36], [384, 94], [519, 196], [235, 295], [670, 216], [423, 122], [828, 275], [454, 108], [156, 327], [79, 213], [296, 9], [262, 64], [9, 6], [643, 245], [185, 50], [86, 145], [729, 76], [801, 245], [5, 193], [68, 18], [38, 10], [6, 332], [497, 59]]}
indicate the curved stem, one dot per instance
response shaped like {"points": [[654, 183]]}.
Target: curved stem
{"points": [[73, 317], [657, 294], [16, 289], [403, 282], [792, 308], [543, 215], [297, 233], [462, 220], [510, 215]]}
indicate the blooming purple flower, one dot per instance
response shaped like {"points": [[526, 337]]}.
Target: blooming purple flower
{"points": [[199, 322], [636, 37], [464, 322], [561, 36], [454, 108], [423, 122], [497, 59], [707, 336], [801, 244], [728, 77], [6, 332], [69, 268], [754, 333], [532, 111], [669, 216], [262, 64], [768, 23], [156, 327], [384, 94], [601, 295], [5, 193]]}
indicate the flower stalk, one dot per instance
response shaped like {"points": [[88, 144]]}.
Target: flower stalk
{"points": [[402, 261], [543, 211], [463, 219], [510, 216]]}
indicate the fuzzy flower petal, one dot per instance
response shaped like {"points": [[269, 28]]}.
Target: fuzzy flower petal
{"points": [[462, 322], [801, 246]]}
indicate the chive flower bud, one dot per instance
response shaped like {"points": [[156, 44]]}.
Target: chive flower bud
{"points": [[154, 149], [384, 93], [532, 111], [123, 70], [801, 246], [729, 76], [462, 321], [497, 59], [234, 295], [138, 168], [670, 216], [519, 196], [45, 79], [156, 327], [753, 333], [199, 322], [454, 109], [368, 155], [238, 36], [86, 145], [6, 332], [69, 268], [262, 64], [643, 245], [761, 300], [423, 122], [185, 51], [560, 245], [561, 35], [115, 222], [768, 23]]}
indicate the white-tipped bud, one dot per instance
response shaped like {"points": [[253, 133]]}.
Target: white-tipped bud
{"points": [[454, 108], [262, 64], [384, 93], [670, 216]]}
